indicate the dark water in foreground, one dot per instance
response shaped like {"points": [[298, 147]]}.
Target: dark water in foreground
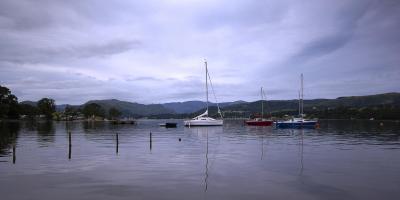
{"points": [[342, 160]]}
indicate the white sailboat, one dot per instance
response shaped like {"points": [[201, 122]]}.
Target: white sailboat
{"points": [[204, 119]]}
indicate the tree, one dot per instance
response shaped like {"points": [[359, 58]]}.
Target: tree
{"points": [[114, 113], [47, 107], [28, 110], [93, 109], [69, 110], [8, 104]]}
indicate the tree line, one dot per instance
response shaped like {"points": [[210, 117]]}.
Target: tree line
{"points": [[11, 109], [46, 108]]}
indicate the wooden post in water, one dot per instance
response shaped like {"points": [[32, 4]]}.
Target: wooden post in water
{"points": [[70, 145], [117, 143], [151, 140], [14, 156]]}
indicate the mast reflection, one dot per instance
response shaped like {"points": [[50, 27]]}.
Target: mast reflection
{"points": [[206, 171]]}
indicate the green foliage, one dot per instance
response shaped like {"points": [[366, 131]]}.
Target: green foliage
{"points": [[114, 113], [71, 110], [57, 116], [382, 112], [28, 110], [47, 107], [8, 104], [93, 109]]}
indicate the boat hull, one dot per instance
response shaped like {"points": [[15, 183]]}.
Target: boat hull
{"points": [[259, 123], [307, 124], [169, 125], [204, 122]]}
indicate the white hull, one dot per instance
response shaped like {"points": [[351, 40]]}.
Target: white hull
{"points": [[194, 122]]}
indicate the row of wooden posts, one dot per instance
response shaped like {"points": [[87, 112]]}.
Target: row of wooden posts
{"points": [[116, 148], [70, 145]]}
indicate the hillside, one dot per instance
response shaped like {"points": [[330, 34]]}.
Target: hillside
{"points": [[31, 103], [132, 109], [388, 102], [193, 106], [392, 99], [385, 106]]}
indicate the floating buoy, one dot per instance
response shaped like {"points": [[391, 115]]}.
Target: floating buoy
{"points": [[381, 124]]}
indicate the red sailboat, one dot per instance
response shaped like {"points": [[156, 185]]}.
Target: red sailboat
{"points": [[260, 121]]}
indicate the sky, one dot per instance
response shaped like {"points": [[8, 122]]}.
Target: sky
{"points": [[153, 51]]}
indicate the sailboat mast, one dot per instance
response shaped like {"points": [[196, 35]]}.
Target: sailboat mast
{"points": [[299, 104], [206, 84], [302, 96], [262, 104]]}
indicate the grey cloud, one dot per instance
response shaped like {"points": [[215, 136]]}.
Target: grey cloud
{"points": [[322, 46], [346, 19], [242, 14], [27, 53], [65, 87], [143, 78], [26, 15], [110, 48], [147, 51], [22, 15]]}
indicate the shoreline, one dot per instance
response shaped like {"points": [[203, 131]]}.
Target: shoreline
{"points": [[40, 121]]}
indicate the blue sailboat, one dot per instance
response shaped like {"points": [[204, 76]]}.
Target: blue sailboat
{"points": [[298, 122]]}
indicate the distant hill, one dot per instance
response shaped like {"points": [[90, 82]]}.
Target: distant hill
{"points": [[143, 110], [31, 103], [185, 107], [388, 102], [193, 106], [291, 106], [132, 109], [59, 108]]}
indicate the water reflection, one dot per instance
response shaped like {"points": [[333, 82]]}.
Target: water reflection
{"points": [[117, 141], [69, 144], [229, 162], [205, 133], [90, 126], [46, 132], [8, 136], [301, 146], [206, 171], [262, 147], [151, 140], [14, 154]]}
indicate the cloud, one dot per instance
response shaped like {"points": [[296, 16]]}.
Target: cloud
{"points": [[26, 53], [153, 51]]}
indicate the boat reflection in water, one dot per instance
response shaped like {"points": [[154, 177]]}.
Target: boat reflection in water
{"points": [[202, 132]]}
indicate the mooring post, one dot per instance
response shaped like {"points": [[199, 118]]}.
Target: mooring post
{"points": [[117, 143], [70, 145], [151, 140], [14, 156]]}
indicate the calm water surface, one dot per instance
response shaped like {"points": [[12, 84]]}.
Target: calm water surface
{"points": [[341, 160]]}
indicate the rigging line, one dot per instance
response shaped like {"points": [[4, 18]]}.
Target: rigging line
{"points": [[264, 96], [215, 97]]}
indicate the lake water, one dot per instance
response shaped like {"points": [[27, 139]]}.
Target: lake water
{"points": [[341, 160]]}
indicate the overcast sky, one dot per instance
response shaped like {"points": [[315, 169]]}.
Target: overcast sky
{"points": [[153, 51]]}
